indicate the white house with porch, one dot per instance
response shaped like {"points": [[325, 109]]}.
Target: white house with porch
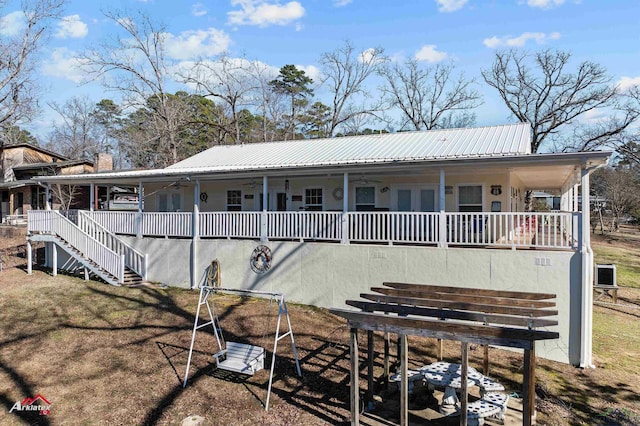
{"points": [[340, 215]]}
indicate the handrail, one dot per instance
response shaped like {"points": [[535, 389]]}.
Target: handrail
{"points": [[51, 221], [133, 259]]}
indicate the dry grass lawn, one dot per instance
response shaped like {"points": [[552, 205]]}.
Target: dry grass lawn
{"points": [[117, 355]]}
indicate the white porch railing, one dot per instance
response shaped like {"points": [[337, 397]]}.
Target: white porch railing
{"points": [[557, 230], [133, 259], [230, 224], [304, 225], [50, 221]]}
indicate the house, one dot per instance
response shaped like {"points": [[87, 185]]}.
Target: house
{"points": [[19, 162], [324, 220]]}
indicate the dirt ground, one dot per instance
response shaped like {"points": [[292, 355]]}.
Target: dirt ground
{"points": [[117, 355]]}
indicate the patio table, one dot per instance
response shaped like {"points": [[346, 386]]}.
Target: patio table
{"points": [[449, 376]]}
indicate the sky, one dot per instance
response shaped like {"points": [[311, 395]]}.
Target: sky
{"points": [[466, 32]]}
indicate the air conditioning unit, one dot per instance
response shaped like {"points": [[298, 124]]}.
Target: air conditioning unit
{"points": [[605, 275]]}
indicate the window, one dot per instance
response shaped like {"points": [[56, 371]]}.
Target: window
{"points": [[234, 200], [365, 198], [313, 199], [169, 201], [470, 198]]}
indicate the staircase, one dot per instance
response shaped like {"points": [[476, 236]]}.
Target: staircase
{"points": [[93, 247]]}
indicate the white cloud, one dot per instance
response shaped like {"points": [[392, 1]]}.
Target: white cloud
{"points": [[262, 13], [544, 4], [519, 41], [72, 27], [450, 5], [311, 71], [64, 63], [626, 83], [341, 3], [12, 23], [192, 44], [198, 9], [429, 53]]}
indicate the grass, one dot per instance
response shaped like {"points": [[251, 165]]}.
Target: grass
{"points": [[622, 249]]}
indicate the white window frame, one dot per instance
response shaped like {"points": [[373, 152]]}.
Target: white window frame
{"points": [[304, 197], [169, 195], [482, 188], [226, 199]]}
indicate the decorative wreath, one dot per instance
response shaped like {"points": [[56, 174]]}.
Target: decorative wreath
{"points": [[260, 259], [203, 196], [337, 193]]}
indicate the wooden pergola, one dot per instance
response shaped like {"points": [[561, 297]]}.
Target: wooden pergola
{"points": [[469, 315]]}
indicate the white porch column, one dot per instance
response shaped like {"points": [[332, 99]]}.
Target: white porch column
{"points": [[195, 234], [265, 202], [54, 259], [508, 191], [575, 197], [47, 196], [139, 215], [443, 218], [345, 209], [587, 267], [92, 196]]}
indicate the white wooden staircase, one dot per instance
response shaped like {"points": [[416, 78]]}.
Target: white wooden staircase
{"points": [[94, 248]]}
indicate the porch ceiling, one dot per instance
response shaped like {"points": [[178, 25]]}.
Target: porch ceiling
{"points": [[547, 177]]}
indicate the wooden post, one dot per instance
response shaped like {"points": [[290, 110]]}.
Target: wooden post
{"points": [[464, 388], [529, 386], [439, 345], [404, 378], [370, 357], [355, 382], [485, 364], [385, 374]]}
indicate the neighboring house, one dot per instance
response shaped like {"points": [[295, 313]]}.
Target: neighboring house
{"points": [[19, 163], [341, 215]]}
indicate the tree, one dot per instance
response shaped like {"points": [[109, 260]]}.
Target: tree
{"points": [[294, 84], [136, 66], [268, 102], [620, 189], [15, 135], [316, 121], [345, 72], [76, 135], [541, 89], [430, 97], [108, 115], [18, 57]]}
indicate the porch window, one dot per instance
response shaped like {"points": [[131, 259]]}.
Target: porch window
{"points": [[470, 198], [169, 202], [365, 198], [313, 199], [234, 200]]}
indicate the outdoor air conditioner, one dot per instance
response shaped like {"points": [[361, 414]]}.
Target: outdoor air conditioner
{"points": [[605, 275]]}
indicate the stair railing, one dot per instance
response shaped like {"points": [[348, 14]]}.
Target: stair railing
{"points": [[133, 259]]}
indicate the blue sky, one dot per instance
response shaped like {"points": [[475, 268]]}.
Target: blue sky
{"points": [[466, 32]]}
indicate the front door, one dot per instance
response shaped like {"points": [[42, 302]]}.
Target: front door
{"points": [[415, 199], [281, 201]]}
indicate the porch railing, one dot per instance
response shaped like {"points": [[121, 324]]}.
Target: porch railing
{"points": [[52, 222], [518, 229]]}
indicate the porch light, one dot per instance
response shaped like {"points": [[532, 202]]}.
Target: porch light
{"points": [[286, 185]]}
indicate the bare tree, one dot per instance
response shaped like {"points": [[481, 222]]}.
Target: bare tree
{"points": [[228, 80], [344, 72], [430, 97], [267, 102], [136, 66], [65, 195], [540, 89], [620, 190], [76, 135], [18, 56]]}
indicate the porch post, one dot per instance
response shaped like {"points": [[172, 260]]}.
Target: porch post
{"points": [[575, 197], [345, 209], [29, 257], [265, 202], [47, 196], [54, 259], [139, 215], [587, 268], [92, 196], [508, 191], [443, 218], [195, 234]]}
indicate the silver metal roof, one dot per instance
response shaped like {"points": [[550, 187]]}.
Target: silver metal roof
{"points": [[494, 141]]}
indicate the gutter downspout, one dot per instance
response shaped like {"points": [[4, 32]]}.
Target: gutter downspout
{"points": [[586, 253]]}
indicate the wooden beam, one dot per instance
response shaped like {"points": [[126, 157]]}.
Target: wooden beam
{"points": [[467, 306], [370, 358], [464, 384], [485, 363], [385, 374], [355, 382], [404, 377], [482, 300], [471, 291], [523, 321]]}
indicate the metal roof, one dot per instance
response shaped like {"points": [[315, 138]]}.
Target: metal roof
{"points": [[494, 141]]}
